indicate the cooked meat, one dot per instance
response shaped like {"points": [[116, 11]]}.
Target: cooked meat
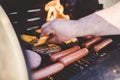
{"points": [[46, 49], [102, 45], [47, 71], [56, 56]]}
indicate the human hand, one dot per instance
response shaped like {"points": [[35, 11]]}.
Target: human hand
{"points": [[61, 29], [64, 30]]}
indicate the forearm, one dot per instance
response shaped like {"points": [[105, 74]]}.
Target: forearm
{"points": [[111, 14], [103, 22]]}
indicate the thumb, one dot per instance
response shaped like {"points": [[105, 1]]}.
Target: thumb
{"points": [[47, 32], [53, 40], [45, 25]]}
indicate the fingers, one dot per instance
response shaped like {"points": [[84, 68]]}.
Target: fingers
{"points": [[53, 40], [45, 25], [46, 29], [47, 32]]}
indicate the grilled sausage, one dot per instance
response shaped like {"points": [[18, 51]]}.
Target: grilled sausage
{"points": [[56, 56], [73, 56], [101, 45], [47, 71], [92, 41]]}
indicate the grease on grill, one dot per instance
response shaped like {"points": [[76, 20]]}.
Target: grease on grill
{"points": [[46, 49]]}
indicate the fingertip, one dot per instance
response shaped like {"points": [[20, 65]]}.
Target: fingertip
{"points": [[54, 40], [45, 32]]}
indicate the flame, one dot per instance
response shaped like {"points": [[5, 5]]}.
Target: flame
{"points": [[55, 10]]}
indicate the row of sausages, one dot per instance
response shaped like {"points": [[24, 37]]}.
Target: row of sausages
{"points": [[62, 62], [100, 45], [66, 57]]}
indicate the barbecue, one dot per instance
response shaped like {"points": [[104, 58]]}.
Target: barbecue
{"points": [[71, 60]]}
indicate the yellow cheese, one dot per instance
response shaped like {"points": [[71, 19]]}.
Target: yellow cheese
{"points": [[72, 40], [41, 41], [38, 31], [28, 38]]}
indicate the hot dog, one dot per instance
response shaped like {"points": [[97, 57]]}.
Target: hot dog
{"points": [[92, 41], [55, 57], [47, 71], [73, 56], [101, 45]]}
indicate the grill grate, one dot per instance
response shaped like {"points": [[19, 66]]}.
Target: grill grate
{"points": [[80, 67], [27, 15]]}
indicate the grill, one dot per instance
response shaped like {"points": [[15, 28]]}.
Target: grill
{"points": [[28, 15], [94, 66]]}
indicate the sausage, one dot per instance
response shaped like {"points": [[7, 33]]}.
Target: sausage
{"points": [[47, 71], [92, 41], [56, 56], [73, 56], [101, 45]]}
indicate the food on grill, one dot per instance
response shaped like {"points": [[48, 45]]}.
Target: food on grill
{"points": [[102, 44], [56, 56], [46, 49], [47, 71], [92, 41], [41, 41], [70, 41], [33, 58], [38, 31], [73, 56], [28, 38]]}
